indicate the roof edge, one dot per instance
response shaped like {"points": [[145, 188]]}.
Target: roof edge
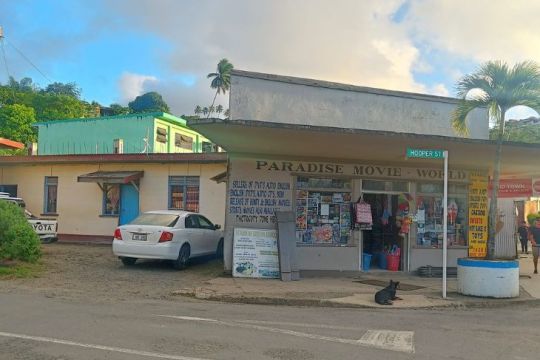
{"points": [[115, 158], [158, 115], [314, 128], [341, 86]]}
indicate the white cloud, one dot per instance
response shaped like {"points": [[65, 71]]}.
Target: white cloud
{"points": [[478, 30], [349, 41], [439, 89], [132, 85]]}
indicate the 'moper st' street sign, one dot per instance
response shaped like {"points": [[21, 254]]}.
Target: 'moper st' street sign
{"points": [[438, 154], [425, 154]]}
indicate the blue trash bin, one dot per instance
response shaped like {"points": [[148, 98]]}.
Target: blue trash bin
{"points": [[381, 260], [366, 261]]}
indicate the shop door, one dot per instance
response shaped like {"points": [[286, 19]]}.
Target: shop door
{"points": [[390, 230], [129, 203]]}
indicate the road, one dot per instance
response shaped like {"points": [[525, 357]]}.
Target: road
{"points": [[33, 326]]}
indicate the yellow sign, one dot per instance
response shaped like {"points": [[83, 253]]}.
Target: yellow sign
{"points": [[478, 215]]}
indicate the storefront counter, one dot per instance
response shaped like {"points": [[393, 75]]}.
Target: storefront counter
{"points": [[423, 256]]}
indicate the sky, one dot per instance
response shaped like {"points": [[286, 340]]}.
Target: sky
{"points": [[116, 50]]}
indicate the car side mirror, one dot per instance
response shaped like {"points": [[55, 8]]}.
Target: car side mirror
{"points": [[217, 227]]}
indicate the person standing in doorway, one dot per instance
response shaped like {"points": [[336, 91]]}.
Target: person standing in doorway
{"points": [[523, 232], [535, 242]]}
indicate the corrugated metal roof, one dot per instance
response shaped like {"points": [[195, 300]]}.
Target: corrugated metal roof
{"points": [[111, 177]]}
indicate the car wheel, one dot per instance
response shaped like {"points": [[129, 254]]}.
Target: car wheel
{"points": [[219, 250], [183, 258], [128, 261]]}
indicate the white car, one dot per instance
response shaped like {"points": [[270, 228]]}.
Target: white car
{"points": [[167, 235]]}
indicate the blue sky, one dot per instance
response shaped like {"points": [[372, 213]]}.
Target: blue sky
{"points": [[117, 49]]}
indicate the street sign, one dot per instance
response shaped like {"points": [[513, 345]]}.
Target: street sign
{"points": [[438, 154], [425, 153]]}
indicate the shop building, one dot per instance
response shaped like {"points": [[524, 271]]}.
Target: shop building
{"points": [[319, 149], [90, 195]]}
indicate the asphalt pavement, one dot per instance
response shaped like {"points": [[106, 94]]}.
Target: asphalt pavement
{"points": [[33, 326]]}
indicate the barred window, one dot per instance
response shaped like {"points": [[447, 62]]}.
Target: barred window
{"points": [[184, 193]]}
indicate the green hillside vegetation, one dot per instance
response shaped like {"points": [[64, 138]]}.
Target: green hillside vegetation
{"points": [[22, 103], [527, 130]]}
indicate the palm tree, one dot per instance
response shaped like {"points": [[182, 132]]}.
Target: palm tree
{"points": [[221, 80], [197, 110], [227, 113], [219, 109], [211, 110], [498, 88], [205, 110]]}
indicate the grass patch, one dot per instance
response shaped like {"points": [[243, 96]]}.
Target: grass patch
{"points": [[20, 270]]}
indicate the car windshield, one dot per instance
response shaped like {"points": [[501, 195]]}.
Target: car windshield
{"points": [[168, 220]]}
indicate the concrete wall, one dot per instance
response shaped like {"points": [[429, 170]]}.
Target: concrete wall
{"points": [[433, 257], [286, 102], [80, 204]]}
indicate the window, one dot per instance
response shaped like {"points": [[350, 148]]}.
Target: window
{"points": [[204, 223], [184, 193], [51, 194], [161, 135], [111, 199], [191, 222], [323, 216], [209, 147], [429, 215], [183, 141]]}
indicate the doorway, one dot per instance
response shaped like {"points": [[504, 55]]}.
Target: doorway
{"points": [[389, 232], [129, 203]]}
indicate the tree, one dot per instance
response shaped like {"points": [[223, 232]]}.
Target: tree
{"points": [[58, 88], [205, 110], [498, 88], [221, 80], [198, 110], [149, 102], [118, 109], [227, 113], [219, 109], [16, 123], [211, 110]]}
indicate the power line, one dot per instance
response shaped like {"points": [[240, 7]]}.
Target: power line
{"points": [[4, 55], [29, 61]]}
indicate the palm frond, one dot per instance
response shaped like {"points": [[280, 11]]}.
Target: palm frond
{"points": [[459, 116]]}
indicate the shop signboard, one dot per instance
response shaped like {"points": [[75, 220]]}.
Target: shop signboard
{"points": [[478, 215], [514, 188], [255, 253], [536, 187]]}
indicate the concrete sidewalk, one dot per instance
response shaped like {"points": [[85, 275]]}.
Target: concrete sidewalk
{"points": [[357, 290]]}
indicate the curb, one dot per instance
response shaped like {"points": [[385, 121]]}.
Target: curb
{"points": [[302, 302]]}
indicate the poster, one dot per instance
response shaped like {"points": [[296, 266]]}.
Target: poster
{"points": [[478, 215], [255, 253]]}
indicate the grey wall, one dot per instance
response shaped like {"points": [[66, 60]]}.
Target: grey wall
{"points": [[375, 109], [433, 257]]}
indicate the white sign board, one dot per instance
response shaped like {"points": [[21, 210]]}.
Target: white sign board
{"points": [[255, 253]]}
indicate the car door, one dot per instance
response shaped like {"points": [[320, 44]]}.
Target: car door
{"points": [[193, 235], [210, 236]]}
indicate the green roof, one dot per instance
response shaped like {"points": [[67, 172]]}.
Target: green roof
{"points": [[158, 115]]}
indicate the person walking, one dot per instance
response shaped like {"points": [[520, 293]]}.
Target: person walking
{"points": [[523, 232], [535, 242]]}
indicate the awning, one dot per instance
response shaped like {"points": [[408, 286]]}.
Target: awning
{"points": [[10, 144], [111, 177], [268, 139], [221, 177]]}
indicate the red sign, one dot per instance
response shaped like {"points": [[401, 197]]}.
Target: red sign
{"points": [[514, 188]]}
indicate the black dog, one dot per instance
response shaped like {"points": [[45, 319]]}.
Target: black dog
{"points": [[388, 294]]}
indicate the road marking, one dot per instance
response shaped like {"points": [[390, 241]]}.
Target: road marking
{"points": [[401, 341], [387, 339], [98, 347], [312, 326]]}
